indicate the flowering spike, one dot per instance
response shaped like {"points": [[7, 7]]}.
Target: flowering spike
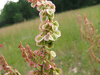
{"points": [[8, 69], [42, 59]]}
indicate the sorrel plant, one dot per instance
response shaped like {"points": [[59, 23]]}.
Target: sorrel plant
{"points": [[89, 33], [42, 59]]}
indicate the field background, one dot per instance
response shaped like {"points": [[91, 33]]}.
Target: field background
{"points": [[26, 32]]}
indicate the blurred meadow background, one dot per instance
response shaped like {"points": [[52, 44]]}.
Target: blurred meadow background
{"points": [[71, 51]]}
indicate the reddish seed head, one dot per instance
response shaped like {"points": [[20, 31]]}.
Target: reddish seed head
{"points": [[0, 45], [47, 66], [0, 68]]}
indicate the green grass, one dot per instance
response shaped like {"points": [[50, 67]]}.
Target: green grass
{"points": [[11, 36]]}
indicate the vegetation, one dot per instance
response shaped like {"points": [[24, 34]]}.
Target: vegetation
{"points": [[11, 11], [17, 12], [72, 61], [73, 4]]}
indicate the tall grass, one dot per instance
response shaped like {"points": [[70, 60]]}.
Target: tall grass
{"points": [[11, 36]]}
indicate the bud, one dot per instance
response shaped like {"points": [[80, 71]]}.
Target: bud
{"points": [[53, 37], [38, 38], [58, 33], [55, 73], [33, 5], [46, 67], [50, 11], [52, 54]]}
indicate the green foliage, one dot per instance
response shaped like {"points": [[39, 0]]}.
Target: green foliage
{"points": [[63, 5], [10, 38], [9, 11], [26, 9], [18, 17], [12, 11], [23, 7]]}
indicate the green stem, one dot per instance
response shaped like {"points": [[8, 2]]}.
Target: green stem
{"points": [[41, 70]]}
